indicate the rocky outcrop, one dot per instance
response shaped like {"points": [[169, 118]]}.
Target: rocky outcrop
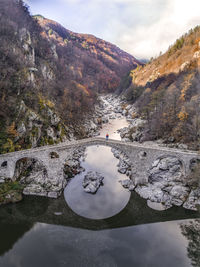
{"points": [[193, 200], [42, 128], [10, 192], [128, 184], [124, 167], [92, 181], [167, 185], [34, 177], [72, 165]]}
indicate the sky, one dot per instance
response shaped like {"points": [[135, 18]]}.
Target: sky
{"points": [[143, 28]]}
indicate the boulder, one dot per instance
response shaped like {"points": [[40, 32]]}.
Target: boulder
{"points": [[104, 120], [193, 200], [122, 166], [53, 194], [127, 184], [92, 181], [165, 169]]}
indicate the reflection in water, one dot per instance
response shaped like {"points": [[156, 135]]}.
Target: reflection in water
{"points": [[71, 240], [155, 206], [191, 230], [145, 245], [9, 234], [110, 198], [112, 127]]}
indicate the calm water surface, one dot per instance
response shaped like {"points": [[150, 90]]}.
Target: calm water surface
{"points": [[110, 199], [32, 235], [112, 127]]}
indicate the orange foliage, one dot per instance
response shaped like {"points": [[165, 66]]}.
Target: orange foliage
{"points": [[83, 88], [11, 130], [183, 115]]}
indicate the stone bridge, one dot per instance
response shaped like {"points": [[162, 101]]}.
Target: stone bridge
{"points": [[141, 157]]}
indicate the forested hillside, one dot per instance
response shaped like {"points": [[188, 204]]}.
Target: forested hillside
{"points": [[92, 62], [166, 92], [50, 77]]}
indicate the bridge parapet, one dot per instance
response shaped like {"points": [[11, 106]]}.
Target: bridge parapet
{"points": [[141, 156]]}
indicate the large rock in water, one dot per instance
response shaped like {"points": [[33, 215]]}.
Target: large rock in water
{"points": [[92, 181]]}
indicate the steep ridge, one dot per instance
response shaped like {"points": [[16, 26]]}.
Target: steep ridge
{"points": [[93, 62], [50, 78], [166, 92]]}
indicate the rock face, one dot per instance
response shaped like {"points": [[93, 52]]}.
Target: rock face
{"points": [[72, 165], [193, 200], [165, 170], [34, 177], [92, 181], [166, 183], [124, 165]]}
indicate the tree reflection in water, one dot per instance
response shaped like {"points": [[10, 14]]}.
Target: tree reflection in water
{"points": [[191, 231]]}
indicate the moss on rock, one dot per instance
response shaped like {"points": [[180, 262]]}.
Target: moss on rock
{"points": [[10, 192]]}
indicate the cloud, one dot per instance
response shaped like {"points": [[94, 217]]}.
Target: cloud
{"points": [[140, 27]]}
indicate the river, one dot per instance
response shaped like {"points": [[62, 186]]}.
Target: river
{"points": [[111, 228]]}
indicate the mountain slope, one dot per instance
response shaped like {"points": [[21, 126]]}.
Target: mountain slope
{"points": [[49, 78], [95, 63], [166, 92]]}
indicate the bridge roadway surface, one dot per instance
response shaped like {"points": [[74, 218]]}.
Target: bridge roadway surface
{"points": [[141, 156]]}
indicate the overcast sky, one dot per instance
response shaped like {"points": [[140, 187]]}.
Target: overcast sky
{"points": [[141, 27]]}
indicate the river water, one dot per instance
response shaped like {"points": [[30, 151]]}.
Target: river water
{"points": [[110, 199], [111, 228]]}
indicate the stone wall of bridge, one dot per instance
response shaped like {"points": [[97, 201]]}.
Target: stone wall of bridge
{"points": [[141, 157]]}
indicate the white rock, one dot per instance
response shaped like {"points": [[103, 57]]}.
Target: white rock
{"points": [[184, 65], [53, 194], [127, 184], [92, 181], [196, 55]]}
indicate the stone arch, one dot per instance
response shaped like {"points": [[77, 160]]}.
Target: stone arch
{"points": [[193, 162], [24, 165], [119, 147], [53, 155], [123, 157], [4, 164]]}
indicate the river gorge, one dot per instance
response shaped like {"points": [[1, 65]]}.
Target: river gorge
{"points": [[113, 227]]}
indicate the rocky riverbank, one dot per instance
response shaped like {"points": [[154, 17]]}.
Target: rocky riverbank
{"points": [[10, 192], [167, 184]]}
